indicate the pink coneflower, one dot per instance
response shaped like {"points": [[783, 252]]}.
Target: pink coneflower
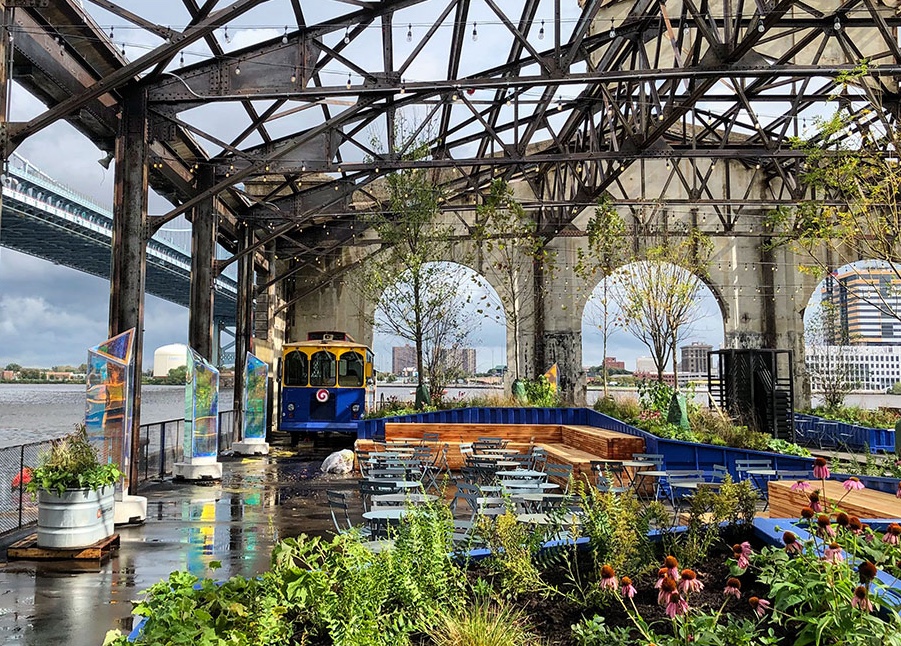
{"points": [[800, 485], [667, 587], [814, 499], [792, 545], [820, 468], [662, 573], [608, 578], [842, 519], [760, 605], [853, 484], [833, 553], [627, 589], [689, 582], [807, 513], [891, 534], [855, 525], [733, 587], [867, 571], [824, 526], [672, 567], [861, 599], [676, 605]]}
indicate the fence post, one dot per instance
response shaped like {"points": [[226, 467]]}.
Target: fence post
{"points": [[21, 482], [162, 450]]}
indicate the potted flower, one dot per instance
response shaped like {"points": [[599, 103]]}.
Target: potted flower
{"points": [[75, 493]]}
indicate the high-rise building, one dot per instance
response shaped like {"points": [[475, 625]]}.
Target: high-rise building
{"points": [[694, 358], [863, 300], [462, 358], [402, 358]]}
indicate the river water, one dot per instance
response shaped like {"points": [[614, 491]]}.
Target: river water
{"points": [[35, 412]]}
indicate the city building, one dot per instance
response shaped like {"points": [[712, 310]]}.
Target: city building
{"points": [[645, 365], [875, 367], [859, 296], [612, 364], [402, 358], [462, 358], [694, 358]]}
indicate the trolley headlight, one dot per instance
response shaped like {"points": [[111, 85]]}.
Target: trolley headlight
{"points": [[355, 408], [290, 407]]}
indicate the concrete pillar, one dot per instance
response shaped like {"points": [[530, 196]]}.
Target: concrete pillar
{"points": [[243, 319], [129, 241], [204, 232]]}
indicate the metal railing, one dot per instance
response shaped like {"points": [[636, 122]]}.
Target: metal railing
{"points": [[159, 448]]}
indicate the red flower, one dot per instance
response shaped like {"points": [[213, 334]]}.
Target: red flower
{"points": [[820, 468]]}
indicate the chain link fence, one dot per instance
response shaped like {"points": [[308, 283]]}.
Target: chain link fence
{"points": [[159, 448]]}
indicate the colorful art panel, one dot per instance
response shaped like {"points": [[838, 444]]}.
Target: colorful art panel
{"points": [[201, 438], [256, 383], [110, 400]]}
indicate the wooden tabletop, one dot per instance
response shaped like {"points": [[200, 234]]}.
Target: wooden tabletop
{"points": [[864, 503]]}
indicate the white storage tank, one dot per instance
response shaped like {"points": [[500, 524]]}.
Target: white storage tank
{"points": [[168, 357]]}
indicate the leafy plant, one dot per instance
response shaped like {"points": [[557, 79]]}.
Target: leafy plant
{"points": [[72, 463]]}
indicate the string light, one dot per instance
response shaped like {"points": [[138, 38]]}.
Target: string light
{"points": [[285, 36], [123, 49], [294, 76], [410, 33], [541, 31], [475, 32], [837, 25], [111, 37], [612, 29], [181, 59], [238, 69], [760, 26], [348, 84], [347, 35], [225, 34]]}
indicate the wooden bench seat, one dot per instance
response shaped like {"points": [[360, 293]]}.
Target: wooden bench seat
{"points": [[566, 454], [522, 433], [607, 445]]}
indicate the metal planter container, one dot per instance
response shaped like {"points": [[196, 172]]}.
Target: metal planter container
{"points": [[77, 518]]}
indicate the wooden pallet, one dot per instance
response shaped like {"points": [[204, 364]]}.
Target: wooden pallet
{"points": [[96, 554]]}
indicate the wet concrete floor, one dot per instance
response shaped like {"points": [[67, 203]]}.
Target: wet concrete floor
{"points": [[237, 521]]}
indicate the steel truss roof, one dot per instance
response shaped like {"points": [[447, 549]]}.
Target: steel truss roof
{"points": [[566, 99]]}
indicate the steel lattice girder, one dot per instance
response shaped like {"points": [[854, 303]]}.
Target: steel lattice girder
{"points": [[606, 88]]}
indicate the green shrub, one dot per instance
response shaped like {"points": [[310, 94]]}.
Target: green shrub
{"points": [[483, 623], [72, 463]]}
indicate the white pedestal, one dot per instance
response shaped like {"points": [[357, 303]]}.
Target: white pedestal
{"points": [[131, 510], [251, 447], [204, 471]]}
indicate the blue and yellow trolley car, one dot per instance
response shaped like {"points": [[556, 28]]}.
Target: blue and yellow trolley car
{"points": [[326, 383]]}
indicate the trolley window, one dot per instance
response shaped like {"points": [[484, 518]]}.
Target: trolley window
{"points": [[322, 369], [295, 369], [350, 370]]}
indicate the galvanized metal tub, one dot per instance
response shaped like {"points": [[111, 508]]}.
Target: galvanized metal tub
{"points": [[77, 518]]}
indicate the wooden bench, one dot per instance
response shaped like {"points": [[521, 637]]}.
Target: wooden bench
{"points": [[575, 445]]}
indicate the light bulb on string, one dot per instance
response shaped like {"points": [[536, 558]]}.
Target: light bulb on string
{"points": [[225, 34], [541, 31], [285, 36], [123, 49], [837, 25], [403, 87], [111, 37], [238, 69], [347, 35], [612, 29], [348, 84], [294, 76], [181, 59], [475, 32], [761, 27], [410, 33]]}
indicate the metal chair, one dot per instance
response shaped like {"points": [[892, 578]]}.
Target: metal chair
{"points": [[431, 438], [337, 504], [369, 488], [719, 473], [489, 443], [562, 472], [433, 473]]}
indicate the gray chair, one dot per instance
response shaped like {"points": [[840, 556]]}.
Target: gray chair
{"points": [[369, 488], [562, 472], [337, 504]]}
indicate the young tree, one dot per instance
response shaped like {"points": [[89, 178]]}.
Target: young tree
{"points": [[510, 237], [404, 277], [658, 296], [853, 175], [829, 365], [603, 254]]}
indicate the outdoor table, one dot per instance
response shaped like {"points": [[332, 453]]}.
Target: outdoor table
{"points": [[500, 451], [401, 498], [406, 484], [761, 477], [520, 473], [528, 484], [385, 513], [534, 501], [652, 473]]}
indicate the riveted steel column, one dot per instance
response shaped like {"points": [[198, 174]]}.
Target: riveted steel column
{"points": [[243, 320], [129, 243], [204, 231]]}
